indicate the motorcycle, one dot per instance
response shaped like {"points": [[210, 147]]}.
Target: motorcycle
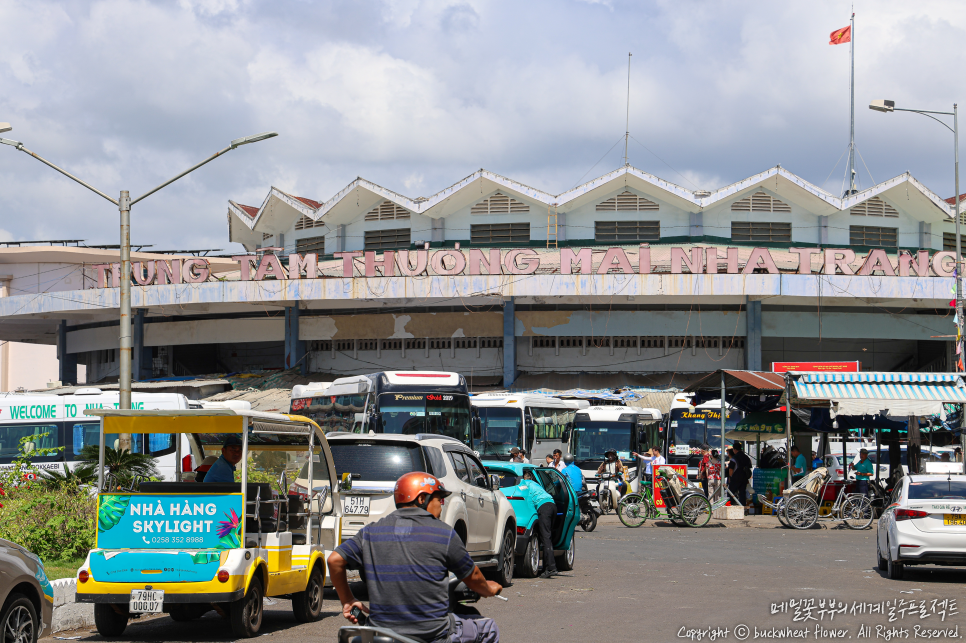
{"points": [[459, 598], [610, 490], [589, 509]]}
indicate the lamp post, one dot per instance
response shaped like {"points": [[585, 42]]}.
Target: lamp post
{"points": [[124, 203], [890, 106]]}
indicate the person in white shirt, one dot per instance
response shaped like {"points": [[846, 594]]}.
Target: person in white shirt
{"points": [[654, 459], [558, 462]]}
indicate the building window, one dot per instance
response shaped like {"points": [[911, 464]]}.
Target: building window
{"points": [[310, 245], [627, 202], [873, 236], [387, 211], [387, 239], [266, 236], [626, 231], [499, 204], [500, 233], [874, 207], [760, 202], [949, 241], [304, 223], [761, 231]]}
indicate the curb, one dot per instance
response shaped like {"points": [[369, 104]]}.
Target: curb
{"points": [[69, 615]]}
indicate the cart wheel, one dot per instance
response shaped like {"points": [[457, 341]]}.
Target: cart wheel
{"points": [[857, 512], [307, 605], [632, 511], [779, 510], [110, 622], [696, 510], [801, 512], [246, 612]]}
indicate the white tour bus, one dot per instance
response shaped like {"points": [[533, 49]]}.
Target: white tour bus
{"points": [[626, 429], [60, 422], [535, 424]]}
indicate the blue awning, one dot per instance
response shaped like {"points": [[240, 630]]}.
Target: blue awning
{"points": [[872, 393]]}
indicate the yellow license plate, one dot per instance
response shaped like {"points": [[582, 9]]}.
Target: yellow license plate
{"points": [[954, 519]]}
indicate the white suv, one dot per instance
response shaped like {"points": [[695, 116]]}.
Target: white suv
{"points": [[478, 511]]}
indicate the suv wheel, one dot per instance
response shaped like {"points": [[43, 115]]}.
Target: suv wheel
{"points": [[503, 572]]}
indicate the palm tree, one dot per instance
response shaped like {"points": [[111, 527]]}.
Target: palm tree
{"points": [[53, 479], [120, 463]]}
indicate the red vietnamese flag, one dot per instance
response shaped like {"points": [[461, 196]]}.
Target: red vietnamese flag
{"points": [[840, 36]]}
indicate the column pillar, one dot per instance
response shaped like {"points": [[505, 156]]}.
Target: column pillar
{"points": [[294, 347], [140, 356], [753, 337], [509, 344], [67, 371]]}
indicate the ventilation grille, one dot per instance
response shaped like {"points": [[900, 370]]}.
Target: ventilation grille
{"points": [[626, 231], [499, 204], [304, 223], [763, 231], [949, 241], [627, 202], [387, 211], [499, 233], [387, 239], [266, 236], [760, 202], [875, 207], [873, 236], [310, 245]]}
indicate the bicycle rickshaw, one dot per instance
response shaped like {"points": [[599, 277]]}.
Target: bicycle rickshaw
{"points": [[185, 548], [684, 504], [798, 506]]}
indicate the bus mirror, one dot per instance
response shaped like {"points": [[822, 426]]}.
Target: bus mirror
{"points": [[477, 427], [565, 436]]}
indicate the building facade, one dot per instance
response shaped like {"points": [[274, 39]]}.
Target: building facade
{"points": [[627, 275]]}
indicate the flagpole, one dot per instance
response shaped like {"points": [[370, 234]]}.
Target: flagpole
{"points": [[851, 177]]}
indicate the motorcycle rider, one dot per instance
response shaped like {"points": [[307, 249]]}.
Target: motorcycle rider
{"points": [[574, 474], [407, 557], [613, 465]]}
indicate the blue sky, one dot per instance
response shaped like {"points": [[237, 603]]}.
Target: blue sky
{"points": [[416, 95]]}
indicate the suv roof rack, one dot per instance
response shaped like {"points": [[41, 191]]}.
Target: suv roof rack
{"points": [[431, 436]]}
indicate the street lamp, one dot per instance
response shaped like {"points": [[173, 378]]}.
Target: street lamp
{"points": [[890, 106], [124, 203]]}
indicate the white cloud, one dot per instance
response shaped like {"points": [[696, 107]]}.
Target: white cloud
{"points": [[417, 94]]}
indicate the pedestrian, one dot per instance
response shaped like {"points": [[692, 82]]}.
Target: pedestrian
{"points": [[739, 473], [546, 509], [959, 454], [558, 462], [863, 471], [516, 456], [652, 458], [703, 467], [797, 463], [549, 461], [714, 470], [816, 461]]}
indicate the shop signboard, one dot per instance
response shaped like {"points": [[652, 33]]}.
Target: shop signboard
{"points": [[169, 521], [816, 367]]}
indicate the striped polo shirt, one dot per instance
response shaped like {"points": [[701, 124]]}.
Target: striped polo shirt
{"points": [[407, 557]]}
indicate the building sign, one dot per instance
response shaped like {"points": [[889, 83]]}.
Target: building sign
{"points": [[816, 367], [526, 261]]}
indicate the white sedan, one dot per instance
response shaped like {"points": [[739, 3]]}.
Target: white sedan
{"points": [[923, 524]]}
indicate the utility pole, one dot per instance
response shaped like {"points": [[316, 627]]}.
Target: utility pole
{"points": [[627, 119]]}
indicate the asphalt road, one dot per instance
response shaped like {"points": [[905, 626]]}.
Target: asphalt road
{"points": [[662, 583]]}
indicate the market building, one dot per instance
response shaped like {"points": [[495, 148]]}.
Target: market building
{"points": [[627, 278]]}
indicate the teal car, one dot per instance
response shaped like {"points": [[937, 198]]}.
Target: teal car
{"points": [[528, 541]]}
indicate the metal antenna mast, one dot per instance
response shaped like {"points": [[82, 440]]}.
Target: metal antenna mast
{"points": [[627, 121]]}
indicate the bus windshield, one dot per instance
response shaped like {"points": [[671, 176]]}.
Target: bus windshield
{"points": [[502, 430], [592, 439], [694, 428], [411, 413]]}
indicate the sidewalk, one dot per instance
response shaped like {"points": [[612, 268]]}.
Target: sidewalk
{"points": [[749, 522]]}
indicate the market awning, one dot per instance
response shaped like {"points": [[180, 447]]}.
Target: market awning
{"points": [[873, 393], [747, 391]]}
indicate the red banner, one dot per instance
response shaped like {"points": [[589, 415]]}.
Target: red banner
{"points": [[816, 367]]}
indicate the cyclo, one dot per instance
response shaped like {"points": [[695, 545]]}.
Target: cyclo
{"points": [[799, 505], [683, 503], [186, 548]]}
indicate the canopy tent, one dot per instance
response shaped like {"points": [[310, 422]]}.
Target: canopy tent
{"points": [[873, 393], [748, 391], [765, 426]]}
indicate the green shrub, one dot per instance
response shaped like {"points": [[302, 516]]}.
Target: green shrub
{"points": [[56, 523]]}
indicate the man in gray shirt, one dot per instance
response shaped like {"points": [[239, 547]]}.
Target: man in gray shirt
{"points": [[407, 557]]}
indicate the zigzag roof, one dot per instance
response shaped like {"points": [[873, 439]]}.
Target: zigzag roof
{"points": [[278, 202]]}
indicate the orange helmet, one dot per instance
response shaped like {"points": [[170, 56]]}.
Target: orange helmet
{"points": [[409, 486]]}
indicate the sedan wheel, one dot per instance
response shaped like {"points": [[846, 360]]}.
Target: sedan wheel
{"points": [[893, 569], [19, 623], [530, 561]]}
